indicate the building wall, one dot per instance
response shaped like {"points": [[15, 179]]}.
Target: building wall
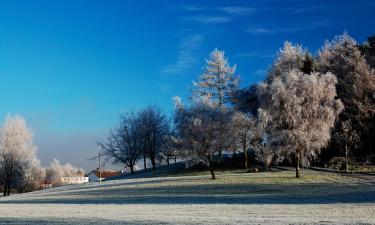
{"points": [[74, 180]]}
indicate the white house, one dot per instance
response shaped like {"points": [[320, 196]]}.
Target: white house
{"points": [[74, 180]]}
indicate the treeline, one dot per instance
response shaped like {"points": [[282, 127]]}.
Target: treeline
{"points": [[309, 109], [20, 169]]}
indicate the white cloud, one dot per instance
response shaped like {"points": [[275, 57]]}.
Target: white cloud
{"points": [[237, 10], [277, 30], [186, 57], [208, 19], [259, 30], [191, 8]]}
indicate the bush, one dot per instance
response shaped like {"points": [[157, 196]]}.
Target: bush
{"points": [[337, 163]]}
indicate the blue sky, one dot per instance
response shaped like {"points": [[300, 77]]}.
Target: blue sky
{"points": [[70, 67]]}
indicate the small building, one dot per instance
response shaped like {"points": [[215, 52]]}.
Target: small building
{"points": [[74, 180], [96, 175]]}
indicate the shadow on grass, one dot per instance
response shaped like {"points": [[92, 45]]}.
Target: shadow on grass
{"points": [[61, 221], [209, 194]]}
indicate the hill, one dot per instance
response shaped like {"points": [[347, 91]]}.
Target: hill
{"points": [[261, 198]]}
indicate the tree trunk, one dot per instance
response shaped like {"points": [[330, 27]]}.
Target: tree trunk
{"points": [[246, 157], [212, 174], [153, 162], [346, 158], [175, 159], [298, 159], [132, 169], [144, 161], [211, 166], [8, 191], [5, 189], [168, 160]]}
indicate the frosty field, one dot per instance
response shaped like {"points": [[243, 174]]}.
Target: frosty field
{"points": [[259, 198]]}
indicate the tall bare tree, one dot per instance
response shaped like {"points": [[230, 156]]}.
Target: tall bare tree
{"points": [[204, 130], [155, 129], [348, 138], [124, 144], [243, 127]]}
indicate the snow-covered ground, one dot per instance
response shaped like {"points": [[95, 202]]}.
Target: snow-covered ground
{"points": [[234, 198]]}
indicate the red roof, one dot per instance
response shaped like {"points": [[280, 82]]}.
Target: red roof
{"points": [[107, 174]]}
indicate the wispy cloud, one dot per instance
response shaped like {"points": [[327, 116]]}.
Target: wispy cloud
{"points": [[254, 30], [218, 15], [191, 8], [310, 9], [259, 30], [208, 19], [187, 54], [237, 10]]}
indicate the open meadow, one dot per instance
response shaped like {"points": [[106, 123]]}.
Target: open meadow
{"points": [[235, 197]]}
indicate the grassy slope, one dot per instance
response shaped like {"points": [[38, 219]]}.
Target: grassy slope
{"points": [[198, 199]]}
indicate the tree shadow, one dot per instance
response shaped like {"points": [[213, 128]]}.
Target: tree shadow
{"points": [[312, 193]]}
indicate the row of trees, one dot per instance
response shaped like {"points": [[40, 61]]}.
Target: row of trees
{"points": [[20, 169], [56, 171], [349, 63], [142, 134], [306, 104]]}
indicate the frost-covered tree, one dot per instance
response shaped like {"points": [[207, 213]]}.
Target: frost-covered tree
{"points": [[32, 177], [368, 49], [56, 171], [302, 109], [262, 140], [291, 57], [218, 82], [125, 144], [17, 152], [347, 137], [204, 129], [243, 126], [172, 148], [355, 87]]}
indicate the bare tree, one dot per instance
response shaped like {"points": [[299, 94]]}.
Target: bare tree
{"points": [[124, 144], [17, 152], [154, 132], [243, 126], [347, 137], [172, 148], [204, 129]]}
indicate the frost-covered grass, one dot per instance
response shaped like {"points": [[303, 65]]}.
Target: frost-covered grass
{"points": [[233, 198]]}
